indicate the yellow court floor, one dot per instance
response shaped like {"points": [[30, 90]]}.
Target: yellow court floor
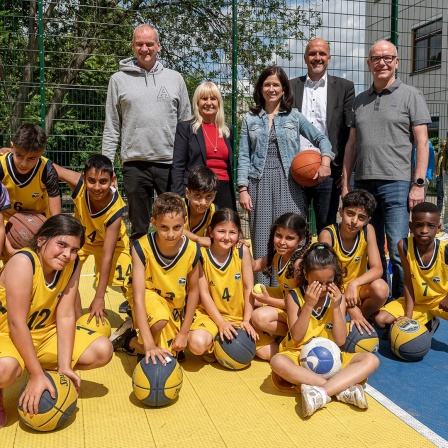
{"points": [[216, 408]]}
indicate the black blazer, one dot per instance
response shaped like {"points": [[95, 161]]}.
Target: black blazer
{"points": [[189, 152], [340, 96]]}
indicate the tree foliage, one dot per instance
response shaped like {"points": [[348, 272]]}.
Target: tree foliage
{"points": [[84, 39]]}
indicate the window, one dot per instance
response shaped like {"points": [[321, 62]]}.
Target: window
{"points": [[433, 128], [428, 46]]}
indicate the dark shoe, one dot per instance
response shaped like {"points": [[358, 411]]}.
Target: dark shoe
{"points": [[122, 337], [180, 356], [123, 308], [433, 325]]}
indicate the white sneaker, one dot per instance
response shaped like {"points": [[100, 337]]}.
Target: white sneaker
{"points": [[354, 395], [313, 398]]}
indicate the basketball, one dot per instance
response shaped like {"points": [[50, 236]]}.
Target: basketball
{"points": [[157, 385], [21, 228], [322, 356], [53, 413], [235, 353], [360, 343], [409, 340], [105, 329], [304, 167]]}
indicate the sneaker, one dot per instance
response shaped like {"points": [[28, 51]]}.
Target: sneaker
{"points": [[313, 398], [122, 336], [354, 395], [123, 308], [209, 358], [433, 325], [180, 356], [2, 411]]}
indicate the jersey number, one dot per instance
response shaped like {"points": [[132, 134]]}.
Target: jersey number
{"points": [[226, 295], [18, 206], [92, 236], [425, 292], [119, 269], [43, 314]]}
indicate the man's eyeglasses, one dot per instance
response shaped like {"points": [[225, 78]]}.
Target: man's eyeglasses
{"points": [[388, 59]]}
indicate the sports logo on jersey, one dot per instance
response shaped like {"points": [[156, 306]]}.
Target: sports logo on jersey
{"points": [[357, 259], [182, 281], [237, 276], [211, 283], [436, 279], [286, 286], [175, 314], [35, 195], [149, 279], [329, 326]]}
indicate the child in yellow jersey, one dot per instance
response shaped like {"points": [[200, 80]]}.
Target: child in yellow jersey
{"points": [[200, 194], [288, 240], [354, 241], [38, 288], [165, 269], [424, 259], [225, 287], [317, 309], [100, 209], [31, 179]]}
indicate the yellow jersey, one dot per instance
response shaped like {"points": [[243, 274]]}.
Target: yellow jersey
{"points": [[201, 228]]}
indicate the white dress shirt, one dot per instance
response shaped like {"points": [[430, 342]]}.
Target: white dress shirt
{"points": [[314, 107]]}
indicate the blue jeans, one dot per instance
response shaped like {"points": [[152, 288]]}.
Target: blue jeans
{"points": [[391, 217], [439, 185]]}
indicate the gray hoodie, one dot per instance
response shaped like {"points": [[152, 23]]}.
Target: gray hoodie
{"points": [[143, 108]]}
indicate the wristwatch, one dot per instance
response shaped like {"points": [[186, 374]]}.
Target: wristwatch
{"points": [[420, 182]]}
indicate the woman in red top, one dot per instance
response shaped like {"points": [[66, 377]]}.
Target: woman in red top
{"points": [[205, 139]]}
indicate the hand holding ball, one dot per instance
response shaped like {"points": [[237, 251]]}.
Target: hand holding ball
{"points": [[257, 289]]}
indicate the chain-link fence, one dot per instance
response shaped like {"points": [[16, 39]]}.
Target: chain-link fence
{"points": [[56, 57]]}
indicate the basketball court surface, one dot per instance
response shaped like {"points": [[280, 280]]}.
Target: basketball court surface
{"points": [[223, 408]]}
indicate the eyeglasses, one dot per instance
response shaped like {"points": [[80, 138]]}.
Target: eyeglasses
{"points": [[388, 59]]}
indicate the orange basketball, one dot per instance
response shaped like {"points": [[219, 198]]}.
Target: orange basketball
{"points": [[304, 167], [21, 228]]}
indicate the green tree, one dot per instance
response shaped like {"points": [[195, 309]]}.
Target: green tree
{"points": [[84, 39]]}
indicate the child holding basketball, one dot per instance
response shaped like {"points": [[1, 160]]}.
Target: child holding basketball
{"points": [[225, 287], [424, 260], [38, 288], [30, 178], [100, 209], [354, 241], [288, 240], [316, 309], [200, 194], [165, 268]]}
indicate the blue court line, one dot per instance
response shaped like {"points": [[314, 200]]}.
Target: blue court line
{"points": [[419, 388]]}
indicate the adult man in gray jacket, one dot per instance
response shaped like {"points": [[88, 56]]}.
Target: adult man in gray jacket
{"points": [[144, 103]]}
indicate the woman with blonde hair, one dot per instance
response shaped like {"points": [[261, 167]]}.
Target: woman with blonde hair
{"points": [[207, 140]]}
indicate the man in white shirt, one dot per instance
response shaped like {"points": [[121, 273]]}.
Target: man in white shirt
{"points": [[326, 101]]}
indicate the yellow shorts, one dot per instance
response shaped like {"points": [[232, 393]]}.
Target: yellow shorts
{"points": [[47, 347], [157, 309], [121, 263], [422, 313], [202, 321]]}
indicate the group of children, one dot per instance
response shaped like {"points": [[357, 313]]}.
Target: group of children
{"points": [[192, 279]]}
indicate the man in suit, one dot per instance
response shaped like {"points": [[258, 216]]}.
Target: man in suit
{"points": [[326, 101]]}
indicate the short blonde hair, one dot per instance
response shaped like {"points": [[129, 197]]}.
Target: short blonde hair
{"points": [[204, 89]]}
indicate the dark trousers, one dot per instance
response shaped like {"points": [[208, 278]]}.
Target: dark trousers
{"points": [[439, 185], [140, 180], [325, 197]]}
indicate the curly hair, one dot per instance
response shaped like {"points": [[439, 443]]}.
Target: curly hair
{"points": [[297, 224], [321, 256]]}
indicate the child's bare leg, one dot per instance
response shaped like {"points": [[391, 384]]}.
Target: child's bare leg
{"points": [[361, 366], [199, 341], [97, 354], [10, 370], [78, 307], [156, 329], [383, 319], [267, 318], [373, 297], [268, 351]]}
